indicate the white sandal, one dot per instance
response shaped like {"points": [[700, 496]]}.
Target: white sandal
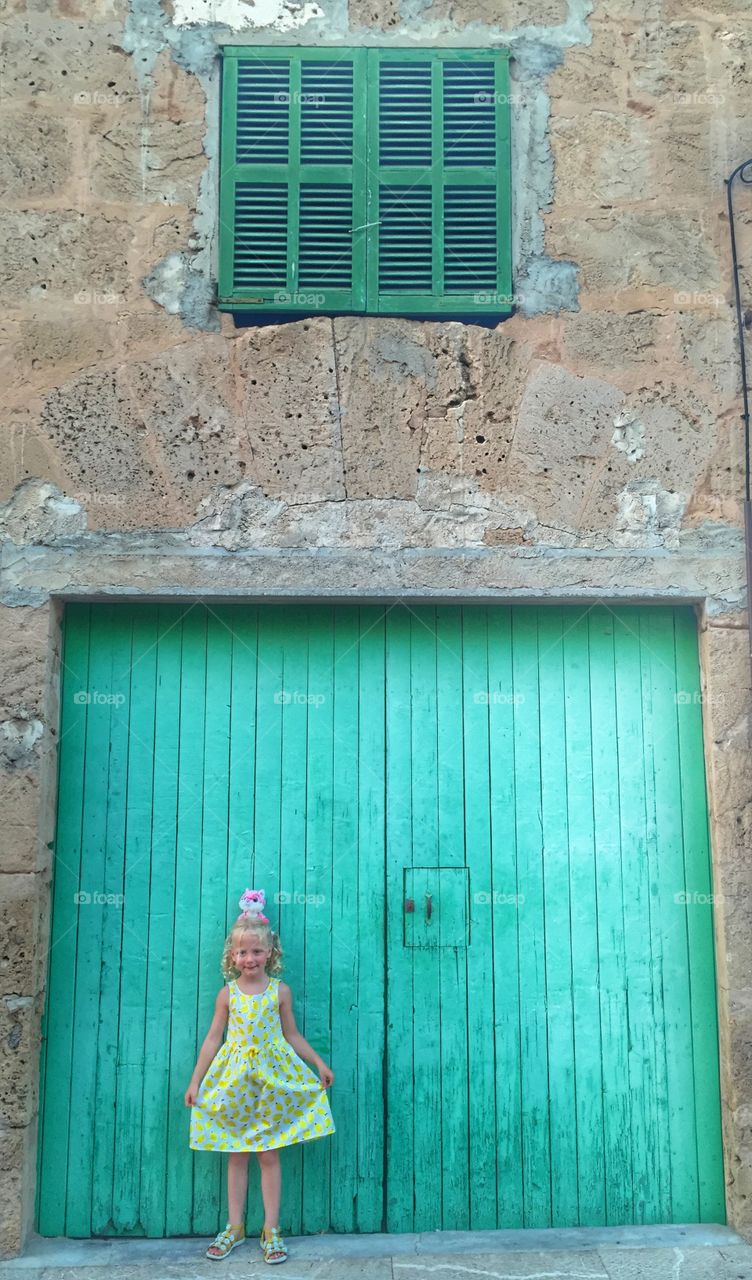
{"points": [[224, 1242]]}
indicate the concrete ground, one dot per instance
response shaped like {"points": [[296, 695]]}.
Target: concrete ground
{"points": [[607, 1253]]}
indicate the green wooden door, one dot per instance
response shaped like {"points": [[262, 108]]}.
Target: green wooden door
{"points": [[487, 831]]}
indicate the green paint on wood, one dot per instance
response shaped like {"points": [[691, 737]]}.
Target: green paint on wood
{"points": [[365, 181], [537, 1049]]}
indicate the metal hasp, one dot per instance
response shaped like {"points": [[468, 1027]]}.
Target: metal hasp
{"points": [[744, 173]]}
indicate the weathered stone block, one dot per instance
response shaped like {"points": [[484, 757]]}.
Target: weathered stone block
{"points": [[19, 1050], [471, 412], [611, 340], [188, 403], [24, 645], [665, 60], [600, 158], [290, 410], [53, 346], [506, 14], [564, 429], [19, 804], [637, 249], [107, 453], [76, 257], [381, 449], [591, 76], [35, 155], [70, 61], [18, 935], [150, 161]]}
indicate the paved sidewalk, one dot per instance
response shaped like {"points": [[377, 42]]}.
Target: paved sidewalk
{"points": [[607, 1253]]}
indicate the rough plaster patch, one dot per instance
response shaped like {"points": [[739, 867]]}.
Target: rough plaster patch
{"points": [[18, 739], [177, 284], [628, 436], [649, 515], [39, 512], [283, 15]]}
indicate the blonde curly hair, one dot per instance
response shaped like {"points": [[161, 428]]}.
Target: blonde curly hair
{"points": [[268, 939]]}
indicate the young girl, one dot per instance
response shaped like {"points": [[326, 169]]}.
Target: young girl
{"points": [[254, 1092]]}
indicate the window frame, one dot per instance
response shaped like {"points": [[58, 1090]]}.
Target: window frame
{"points": [[368, 177]]}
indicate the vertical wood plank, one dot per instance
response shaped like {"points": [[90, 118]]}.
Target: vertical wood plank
{"points": [[536, 1146], [451, 961], [638, 909], [610, 921], [113, 887], [292, 628], [585, 979], [557, 906], [371, 927], [209, 1174], [346, 953], [399, 1066], [506, 889], [90, 929], [187, 906], [155, 1149], [316, 1156], [127, 1115], [425, 1111], [482, 1119], [659, 1206]]}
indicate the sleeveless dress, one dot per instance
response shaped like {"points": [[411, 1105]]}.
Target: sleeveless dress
{"points": [[257, 1094]]}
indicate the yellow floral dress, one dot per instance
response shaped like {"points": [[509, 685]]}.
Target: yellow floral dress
{"points": [[257, 1093]]}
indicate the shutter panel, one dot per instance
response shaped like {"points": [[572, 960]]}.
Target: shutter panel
{"points": [[365, 181], [439, 192], [292, 186]]}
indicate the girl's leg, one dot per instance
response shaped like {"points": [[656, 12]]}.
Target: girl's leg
{"points": [[271, 1186], [237, 1186]]}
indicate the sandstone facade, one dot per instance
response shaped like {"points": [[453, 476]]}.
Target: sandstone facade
{"points": [[590, 447]]}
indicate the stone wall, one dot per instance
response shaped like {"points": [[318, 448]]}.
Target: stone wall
{"points": [[588, 447]]}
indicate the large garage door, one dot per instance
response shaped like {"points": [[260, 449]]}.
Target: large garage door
{"points": [[487, 829]]}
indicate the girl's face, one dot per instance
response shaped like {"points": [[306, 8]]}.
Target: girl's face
{"points": [[250, 956]]}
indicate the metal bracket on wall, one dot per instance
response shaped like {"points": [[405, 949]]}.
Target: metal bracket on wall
{"points": [[744, 323]]}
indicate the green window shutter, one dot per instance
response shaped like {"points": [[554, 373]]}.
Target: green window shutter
{"points": [[292, 186], [439, 182], [365, 180]]}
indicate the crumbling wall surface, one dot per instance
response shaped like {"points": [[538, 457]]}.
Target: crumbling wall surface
{"points": [[588, 447]]}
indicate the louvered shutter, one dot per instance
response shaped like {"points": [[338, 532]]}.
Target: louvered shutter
{"points": [[292, 184], [439, 188], [365, 180]]}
